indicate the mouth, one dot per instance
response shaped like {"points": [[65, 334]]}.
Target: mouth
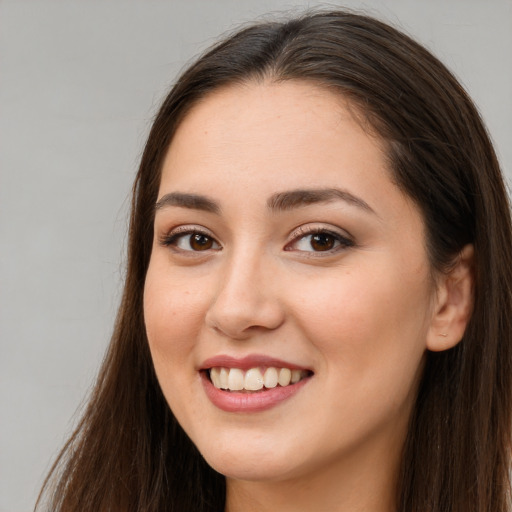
{"points": [[251, 384], [256, 379]]}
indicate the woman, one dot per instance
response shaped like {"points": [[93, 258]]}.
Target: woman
{"points": [[316, 313]]}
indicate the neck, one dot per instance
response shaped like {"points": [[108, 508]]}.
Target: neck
{"points": [[359, 483]]}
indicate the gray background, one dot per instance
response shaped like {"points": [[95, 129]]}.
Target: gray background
{"points": [[79, 83]]}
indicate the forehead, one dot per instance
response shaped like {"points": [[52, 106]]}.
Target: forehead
{"points": [[242, 145], [284, 128], [256, 104]]}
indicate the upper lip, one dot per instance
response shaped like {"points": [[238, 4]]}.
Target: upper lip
{"points": [[249, 361]]}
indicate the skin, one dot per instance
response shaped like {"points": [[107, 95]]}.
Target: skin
{"points": [[360, 316]]}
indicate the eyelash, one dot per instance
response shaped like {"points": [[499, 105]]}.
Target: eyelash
{"points": [[341, 242], [171, 239]]}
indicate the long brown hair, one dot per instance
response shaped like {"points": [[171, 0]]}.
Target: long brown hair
{"points": [[129, 454]]}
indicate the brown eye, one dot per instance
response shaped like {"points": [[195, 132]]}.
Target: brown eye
{"points": [[200, 242], [192, 241], [322, 242]]}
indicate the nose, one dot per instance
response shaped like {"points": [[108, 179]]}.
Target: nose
{"points": [[246, 301]]}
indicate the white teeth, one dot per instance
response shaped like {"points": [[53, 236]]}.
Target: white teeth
{"points": [[214, 375], [234, 379], [223, 378], [285, 376], [270, 378], [253, 379], [295, 376]]}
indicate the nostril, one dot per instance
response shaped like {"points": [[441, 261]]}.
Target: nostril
{"points": [[243, 308]]}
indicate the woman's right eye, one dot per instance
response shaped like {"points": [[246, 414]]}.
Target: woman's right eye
{"points": [[193, 241]]}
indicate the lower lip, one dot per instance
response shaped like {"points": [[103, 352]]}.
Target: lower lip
{"points": [[233, 401]]}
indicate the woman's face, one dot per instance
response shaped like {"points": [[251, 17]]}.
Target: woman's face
{"points": [[283, 250]]}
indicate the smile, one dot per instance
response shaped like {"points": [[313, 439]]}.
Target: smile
{"points": [[253, 383], [254, 379]]}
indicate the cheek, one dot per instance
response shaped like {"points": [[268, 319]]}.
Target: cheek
{"points": [[370, 330], [173, 314], [369, 322]]}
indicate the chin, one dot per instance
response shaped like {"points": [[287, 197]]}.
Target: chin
{"points": [[257, 461], [251, 470]]}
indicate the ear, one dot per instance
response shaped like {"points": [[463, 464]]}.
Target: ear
{"points": [[453, 303]]}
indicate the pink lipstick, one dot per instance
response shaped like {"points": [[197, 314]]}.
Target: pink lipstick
{"points": [[252, 383]]}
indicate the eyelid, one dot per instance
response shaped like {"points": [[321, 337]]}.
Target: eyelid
{"points": [[169, 237], [342, 236]]}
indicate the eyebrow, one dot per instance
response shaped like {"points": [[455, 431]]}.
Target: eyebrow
{"points": [[192, 201], [284, 201], [281, 201]]}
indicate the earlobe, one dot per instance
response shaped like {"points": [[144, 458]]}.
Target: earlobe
{"points": [[453, 303]]}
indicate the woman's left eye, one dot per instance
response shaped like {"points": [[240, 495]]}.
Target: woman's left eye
{"points": [[319, 241]]}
